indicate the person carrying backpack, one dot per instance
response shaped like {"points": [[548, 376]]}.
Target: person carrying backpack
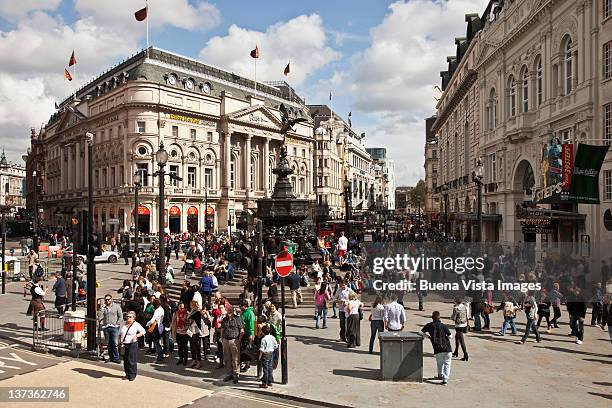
{"points": [[440, 336], [460, 318], [509, 307]]}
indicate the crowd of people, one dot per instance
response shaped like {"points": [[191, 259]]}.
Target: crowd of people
{"points": [[202, 324]]}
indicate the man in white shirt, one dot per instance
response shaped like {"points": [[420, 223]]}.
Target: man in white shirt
{"points": [[342, 247], [129, 335], [266, 355], [341, 298], [395, 316], [158, 315]]}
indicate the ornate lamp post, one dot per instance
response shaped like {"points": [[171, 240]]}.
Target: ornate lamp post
{"points": [[35, 238], [445, 190], [477, 176], [137, 185], [161, 156], [347, 206]]}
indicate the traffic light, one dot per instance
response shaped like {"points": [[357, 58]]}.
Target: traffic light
{"points": [[96, 246], [246, 255]]}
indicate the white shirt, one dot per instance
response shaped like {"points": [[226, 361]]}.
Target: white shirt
{"points": [[197, 296], [158, 315], [128, 337], [39, 290], [395, 316], [268, 344], [342, 297], [276, 318], [343, 243]]}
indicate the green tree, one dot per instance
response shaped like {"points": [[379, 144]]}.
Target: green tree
{"points": [[417, 194]]}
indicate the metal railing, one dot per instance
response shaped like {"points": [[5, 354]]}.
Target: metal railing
{"points": [[52, 331]]}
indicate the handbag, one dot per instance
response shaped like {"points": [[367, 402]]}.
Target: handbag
{"points": [[488, 309], [121, 345]]}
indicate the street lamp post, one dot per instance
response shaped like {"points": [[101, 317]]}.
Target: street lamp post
{"points": [[205, 220], [445, 194], [137, 185], [162, 158], [35, 238], [91, 266], [347, 207], [3, 210], [477, 176]]}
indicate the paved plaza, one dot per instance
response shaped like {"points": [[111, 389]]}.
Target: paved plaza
{"points": [[556, 372]]}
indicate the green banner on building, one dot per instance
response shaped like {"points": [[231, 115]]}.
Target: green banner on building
{"points": [[585, 178]]}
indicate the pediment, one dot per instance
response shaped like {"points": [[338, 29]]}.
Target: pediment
{"points": [[70, 117], [256, 116]]}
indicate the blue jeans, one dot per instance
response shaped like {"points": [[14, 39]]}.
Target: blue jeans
{"points": [[321, 313], [334, 309], [443, 361], [375, 326], [267, 363], [477, 324], [508, 321], [159, 348], [487, 320], [577, 325], [529, 327], [111, 334]]}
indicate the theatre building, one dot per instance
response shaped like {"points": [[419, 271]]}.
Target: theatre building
{"points": [[529, 92], [221, 132]]}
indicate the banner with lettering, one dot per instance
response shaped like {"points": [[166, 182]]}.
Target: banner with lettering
{"points": [[567, 153], [585, 177]]}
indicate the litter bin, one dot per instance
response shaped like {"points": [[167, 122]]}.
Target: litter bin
{"points": [[401, 356], [74, 326]]}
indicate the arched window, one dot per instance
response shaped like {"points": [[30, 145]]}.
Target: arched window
{"points": [[512, 91], [492, 109], [569, 66], [252, 168], [539, 82], [525, 91], [233, 172]]}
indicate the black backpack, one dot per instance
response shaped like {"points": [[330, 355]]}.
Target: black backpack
{"points": [[167, 319]]}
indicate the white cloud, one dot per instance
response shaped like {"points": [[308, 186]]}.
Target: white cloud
{"points": [[31, 80], [13, 9], [301, 39], [395, 76], [178, 13]]}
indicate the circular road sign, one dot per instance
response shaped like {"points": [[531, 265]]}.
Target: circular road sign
{"points": [[284, 263]]}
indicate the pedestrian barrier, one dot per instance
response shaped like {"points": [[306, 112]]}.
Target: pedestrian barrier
{"points": [[52, 331]]}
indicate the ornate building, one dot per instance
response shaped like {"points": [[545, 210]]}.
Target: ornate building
{"points": [[221, 131], [12, 176], [526, 73]]}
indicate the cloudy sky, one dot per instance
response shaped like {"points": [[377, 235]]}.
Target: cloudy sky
{"points": [[380, 59]]}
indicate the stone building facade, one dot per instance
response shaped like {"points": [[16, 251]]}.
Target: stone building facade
{"points": [[12, 176], [527, 72], [221, 131]]}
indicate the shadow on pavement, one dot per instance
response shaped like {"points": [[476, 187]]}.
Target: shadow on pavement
{"points": [[597, 361], [327, 344], [605, 384], [586, 353], [361, 372], [96, 373], [606, 396]]}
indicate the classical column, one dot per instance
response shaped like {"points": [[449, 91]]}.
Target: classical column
{"points": [[78, 166], [247, 164], [227, 154], [266, 167]]}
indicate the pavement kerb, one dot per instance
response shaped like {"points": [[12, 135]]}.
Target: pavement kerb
{"points": [[293, 397]]}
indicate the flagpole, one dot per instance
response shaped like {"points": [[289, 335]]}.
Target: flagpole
{"points": [[256, 75], [147, 18]]}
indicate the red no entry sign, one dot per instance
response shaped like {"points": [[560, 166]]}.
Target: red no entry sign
{"points": [[284, 263]]}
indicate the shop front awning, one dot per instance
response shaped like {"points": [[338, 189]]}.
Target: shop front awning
{"points": [[531, 213]]}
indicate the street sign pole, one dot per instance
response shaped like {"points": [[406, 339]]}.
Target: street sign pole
{"points": [[283, 266], [284, 366]]}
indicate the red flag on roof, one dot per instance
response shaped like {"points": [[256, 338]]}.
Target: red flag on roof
{"points": [[255, 52], [287, 70], [141, 14], [67, 75], [72, 60]]}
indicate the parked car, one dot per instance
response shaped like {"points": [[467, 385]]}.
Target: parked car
{"points": [[107, 256]]}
